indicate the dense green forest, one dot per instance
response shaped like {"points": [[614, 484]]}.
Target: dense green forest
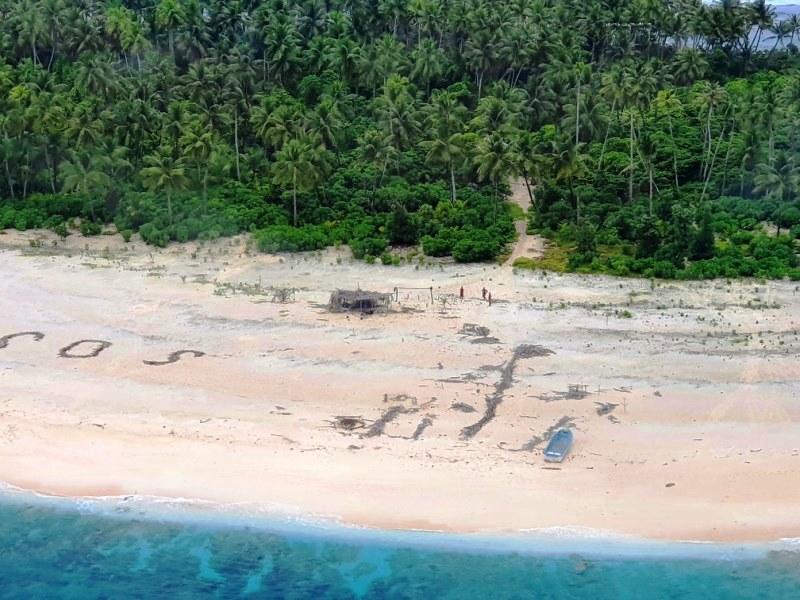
{"points": [[655, 137]]}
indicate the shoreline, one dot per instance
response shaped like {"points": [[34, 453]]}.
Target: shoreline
{"points": [[430, 417], [547, 542]]}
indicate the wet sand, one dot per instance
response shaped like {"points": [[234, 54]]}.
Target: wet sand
{"points": [[687, 427]]}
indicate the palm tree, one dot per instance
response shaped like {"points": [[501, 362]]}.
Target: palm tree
{"points": [[164, 173], [494, 161], [198, 144], [120, 23], [393, 11], [569, 165], [445, 150], [327, 122], [648, 149], [82, 127], [713, 97], [30, 26], [612, 90], [445, 120], [397, 111], [668, 103], [530, 161], [780, 30], [85, 174], [480, 54], [689, 65], [236, 97], [779, 180], [275, 122], [96, 75], [638, 85], [583, 75], [281, 46], [135, 41], [170, 15], [294, 167], [376, 149], [54, 14], [762, 16], [751, 143], [428, 63]]}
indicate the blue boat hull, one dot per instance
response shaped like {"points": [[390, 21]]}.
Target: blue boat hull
{"points": [[559, 446]]}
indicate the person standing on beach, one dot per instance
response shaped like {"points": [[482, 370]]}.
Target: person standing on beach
{"points": [[483, 291], [490, 298], [461, 292]]}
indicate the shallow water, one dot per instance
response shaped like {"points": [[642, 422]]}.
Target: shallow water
{"points": [[64, 550]]}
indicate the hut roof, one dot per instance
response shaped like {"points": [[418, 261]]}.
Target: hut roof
{"points": [[355, 295], [359, 300]]}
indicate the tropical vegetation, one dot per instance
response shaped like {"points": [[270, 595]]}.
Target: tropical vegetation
{"points": [[655, 137]]}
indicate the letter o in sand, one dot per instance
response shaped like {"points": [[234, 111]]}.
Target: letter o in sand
{"points": [[100, 345]]}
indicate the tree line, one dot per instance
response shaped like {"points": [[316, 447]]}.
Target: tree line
{"points": [[654, 136]]}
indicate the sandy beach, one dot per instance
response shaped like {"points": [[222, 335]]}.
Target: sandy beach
{"points": [[686, 413]]}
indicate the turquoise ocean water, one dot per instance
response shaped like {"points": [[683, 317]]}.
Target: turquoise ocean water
{"points": [[123, 549]]}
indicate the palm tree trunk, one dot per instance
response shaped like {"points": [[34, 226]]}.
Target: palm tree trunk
{"points": [[650, 178], [236, 142], [711, 165], [383, 172], [528, 187], [9, 179], [771, 144], [294, 198], [708, 144], [605, 139], [205, 186], [741, 183], [452, 183], [725, 163], [630, 174], [674, 152], [517, 76], [52, 54], [27, 174], [47, 164], [494, 203], [578, 114], [169, 206]]}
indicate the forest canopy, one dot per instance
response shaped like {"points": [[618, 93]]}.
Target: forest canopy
{"points": [[654, 137]]}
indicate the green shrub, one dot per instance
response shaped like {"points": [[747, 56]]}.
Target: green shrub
{"points": [[371, 246], [60, 229], [182, 233], [285, 238], [476, 246], [152, 235], [90, 228]]}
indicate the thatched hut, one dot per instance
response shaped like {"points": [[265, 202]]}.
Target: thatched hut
{"points": [[359, 301]]}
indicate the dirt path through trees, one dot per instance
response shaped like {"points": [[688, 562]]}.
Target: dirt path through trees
{"points": [[531, 246]]}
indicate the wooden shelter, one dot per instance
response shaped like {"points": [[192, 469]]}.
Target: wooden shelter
{"points": [[359, 301]]}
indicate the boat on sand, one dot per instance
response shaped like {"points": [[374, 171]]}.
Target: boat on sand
{"points": [[559, 446]]}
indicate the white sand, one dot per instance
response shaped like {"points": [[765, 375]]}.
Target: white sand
{"points": [[705, 377]]}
